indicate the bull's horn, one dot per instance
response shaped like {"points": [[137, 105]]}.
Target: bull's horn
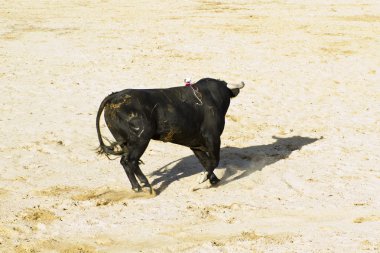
{"points": [[232, 86]]}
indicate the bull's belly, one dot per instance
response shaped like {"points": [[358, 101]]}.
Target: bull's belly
{"points": [[184, 139]]}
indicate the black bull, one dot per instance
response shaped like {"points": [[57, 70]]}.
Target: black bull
{"points": [[189, 116]]}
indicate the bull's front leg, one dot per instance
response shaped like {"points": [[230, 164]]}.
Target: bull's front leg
{"points": [[213, 147], [214, 161], [204, 160], [210, 159]]}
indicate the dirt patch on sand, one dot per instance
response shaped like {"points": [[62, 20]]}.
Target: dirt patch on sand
{"points": [[371, 218], [39, 215], [54, 246], [106, 196], [58, 190]]}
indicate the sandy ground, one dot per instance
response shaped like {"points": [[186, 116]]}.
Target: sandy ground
{"points": [[300, 152]]}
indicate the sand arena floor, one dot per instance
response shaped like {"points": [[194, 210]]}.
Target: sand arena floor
{"points": [[300, 151]]}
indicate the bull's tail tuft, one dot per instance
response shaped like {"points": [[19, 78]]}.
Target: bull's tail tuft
{"points": [[113, 149], [103, 150]]}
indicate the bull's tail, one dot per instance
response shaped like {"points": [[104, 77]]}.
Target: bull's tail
{"points": [[103, 148]]}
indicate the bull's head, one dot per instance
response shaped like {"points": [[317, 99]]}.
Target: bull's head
{"points": [[235, 88]]}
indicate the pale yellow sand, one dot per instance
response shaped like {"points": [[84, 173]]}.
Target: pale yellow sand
{"points": [[311, 69]]}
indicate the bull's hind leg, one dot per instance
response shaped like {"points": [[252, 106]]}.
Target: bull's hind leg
{"points": [[142, 178], [129, 170], [133, 158]]}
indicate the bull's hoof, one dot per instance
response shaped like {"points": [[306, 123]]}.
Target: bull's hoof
{"points": [[202, 177], [137, 189], [214, 180], [143, 192], [147, 189]]}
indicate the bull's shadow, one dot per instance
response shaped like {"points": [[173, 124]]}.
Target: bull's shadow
{"points": [[239, 162]]}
